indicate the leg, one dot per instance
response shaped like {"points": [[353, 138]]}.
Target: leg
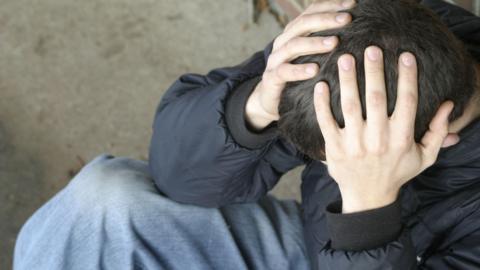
{"points": [[110, 216]]}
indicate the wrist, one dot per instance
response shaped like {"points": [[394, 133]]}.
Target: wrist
{"points": [[255, 116], [357, 202]]}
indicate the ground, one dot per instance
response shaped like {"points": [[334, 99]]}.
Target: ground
{"points": [[81, 78]]}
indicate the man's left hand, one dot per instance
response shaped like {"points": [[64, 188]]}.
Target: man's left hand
{"points": [[371, 159]]}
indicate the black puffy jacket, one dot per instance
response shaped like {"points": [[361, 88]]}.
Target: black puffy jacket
{"points": [[202, 153]]}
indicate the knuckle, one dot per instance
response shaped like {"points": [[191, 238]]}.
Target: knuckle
{"points": [[293, 23], [291, 46], [440, 135], [267, 76], [318, 4], [274, 59], [284, 72], [314, 19], [377, 98], [378, 148], [271, 76], [288, 72], [410, 100], [302, 20], [297, 71], [349, 107], [332, 6], [375, 70], [277, 43], [356, 152], [334, 155], [280, 72], [347, 81], [277, 74], [404, 142], [325, 18], [315, 42], [307, 45]]}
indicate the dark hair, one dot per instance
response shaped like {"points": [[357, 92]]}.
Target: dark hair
{"points": [[445, 69]]}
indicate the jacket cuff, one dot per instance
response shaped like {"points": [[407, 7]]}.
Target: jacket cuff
{"points": [[363, 230], [241, 132]]}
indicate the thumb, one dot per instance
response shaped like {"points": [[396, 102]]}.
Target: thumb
{"points": [[437, 133]]}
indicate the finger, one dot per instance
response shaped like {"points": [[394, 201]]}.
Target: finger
{"points": [[375, 92], [327, 123], [436, 134], [329, 6], [407, 94], [450, 140], [290, 73], [300, 46], [349, 97], [311, 23]]}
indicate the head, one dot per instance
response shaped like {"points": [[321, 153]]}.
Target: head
{"points": [[445, 69]]}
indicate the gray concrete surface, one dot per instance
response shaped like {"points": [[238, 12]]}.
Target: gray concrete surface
{"points": [[81, 78]]}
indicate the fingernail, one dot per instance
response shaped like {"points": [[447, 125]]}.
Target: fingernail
{"points": [[342, 17], [346, 63], [311, 70], [328, 41], [373, 53], [408, 59]]}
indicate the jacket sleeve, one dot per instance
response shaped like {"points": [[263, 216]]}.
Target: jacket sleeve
{"points": [[372, 239], [375, 239], [463, 254], [202, 152]]}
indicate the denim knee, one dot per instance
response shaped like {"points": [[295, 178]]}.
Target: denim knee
{"points": [[108, 182], [108, 200]]}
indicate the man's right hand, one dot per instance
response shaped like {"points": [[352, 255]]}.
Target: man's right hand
{"points": [[262, 105]]}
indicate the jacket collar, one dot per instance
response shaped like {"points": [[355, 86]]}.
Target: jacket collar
{"points": [[457, 168], [466, 152]]}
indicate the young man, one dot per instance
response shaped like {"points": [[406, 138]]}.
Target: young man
{"points": [[112, 216]]}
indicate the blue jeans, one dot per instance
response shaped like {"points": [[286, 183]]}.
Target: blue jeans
{"points": [[110, 216]]}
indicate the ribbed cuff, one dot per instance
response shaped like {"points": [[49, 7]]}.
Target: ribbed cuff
{"points": [[363, 230], [236, 122]]}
